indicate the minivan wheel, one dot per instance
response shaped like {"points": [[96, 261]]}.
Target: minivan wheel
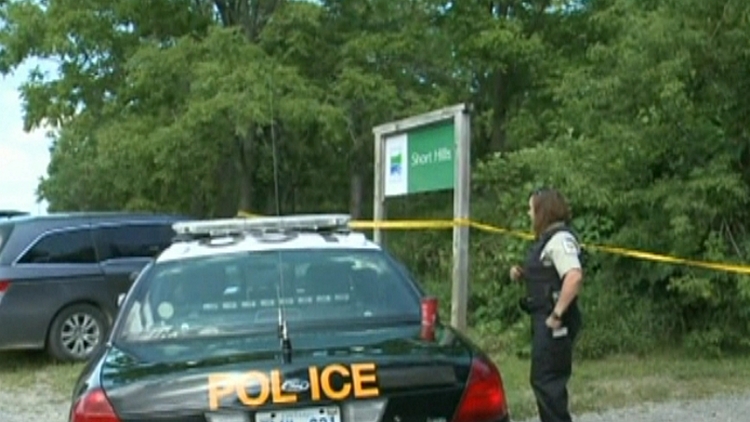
{"points": [[77, 333]]}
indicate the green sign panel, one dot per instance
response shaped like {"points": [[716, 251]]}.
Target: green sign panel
{"points": [[421, 160]]}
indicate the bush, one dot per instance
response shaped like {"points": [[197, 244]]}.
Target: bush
{"points": [[629, 307]]}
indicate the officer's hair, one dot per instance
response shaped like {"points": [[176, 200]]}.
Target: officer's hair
{"points": [[550, 207]]}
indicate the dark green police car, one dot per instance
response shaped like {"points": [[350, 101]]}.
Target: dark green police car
{"points": [[283, 319]]}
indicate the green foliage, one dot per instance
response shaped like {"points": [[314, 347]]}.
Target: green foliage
{"points": [[636, 110]]}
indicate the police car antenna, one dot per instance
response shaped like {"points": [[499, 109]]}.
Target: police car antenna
{"points": [[286, 342]]}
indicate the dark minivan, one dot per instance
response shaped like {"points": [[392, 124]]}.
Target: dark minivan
{"points": [[61, 276]]}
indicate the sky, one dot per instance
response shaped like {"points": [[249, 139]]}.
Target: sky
{"points": [[23, 156]]}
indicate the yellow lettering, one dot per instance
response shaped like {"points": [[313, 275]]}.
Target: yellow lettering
{"points": [[278, 395], [258, 378], [364, 373], [360, 379], [314, 383], [325, 382], [219, 385]]}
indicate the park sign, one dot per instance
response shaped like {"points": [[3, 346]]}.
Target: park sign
{"points": [[420, 160], [424, 153]]}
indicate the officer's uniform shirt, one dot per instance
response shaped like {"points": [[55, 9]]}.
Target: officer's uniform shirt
{"points": [[562, 251], [551, 256]]}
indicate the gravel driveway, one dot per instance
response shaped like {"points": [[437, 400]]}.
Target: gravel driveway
{"points": [[33, 405], [718, 409], [41, 406]]}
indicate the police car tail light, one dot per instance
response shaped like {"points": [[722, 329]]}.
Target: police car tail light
{"points": [[484, 397], [94, 407]]}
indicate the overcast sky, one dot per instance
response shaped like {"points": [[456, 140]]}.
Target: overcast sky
{"points": [[23, 156]]}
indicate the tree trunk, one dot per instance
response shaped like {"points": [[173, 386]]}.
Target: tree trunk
{"points": [[245, 170], [499, 110], [227, 182], [355, 194]]}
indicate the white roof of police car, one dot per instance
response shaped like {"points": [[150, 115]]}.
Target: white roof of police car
{"points": [[250, 243]]}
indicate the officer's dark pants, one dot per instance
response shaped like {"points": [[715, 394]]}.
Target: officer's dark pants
{"points": [[551, 367]]}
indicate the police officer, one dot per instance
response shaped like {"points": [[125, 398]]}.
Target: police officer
{"points": [[553, 275]]}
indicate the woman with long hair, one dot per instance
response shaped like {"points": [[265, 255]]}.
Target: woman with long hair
{"points": [[553, 275]]}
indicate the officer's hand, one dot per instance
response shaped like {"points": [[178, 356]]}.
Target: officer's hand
{"points": [[553, 322], [516, 273]]}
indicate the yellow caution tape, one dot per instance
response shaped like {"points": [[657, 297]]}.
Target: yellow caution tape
{"points": [[449, 224], [405, 224], [648, 256], [247, 214]]}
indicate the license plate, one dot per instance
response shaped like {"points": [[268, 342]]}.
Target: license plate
{"points": [[307, 414]]}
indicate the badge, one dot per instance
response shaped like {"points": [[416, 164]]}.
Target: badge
{"points": [[570, 246]]}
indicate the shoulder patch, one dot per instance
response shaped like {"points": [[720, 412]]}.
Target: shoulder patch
{"points": [[570, 246]]}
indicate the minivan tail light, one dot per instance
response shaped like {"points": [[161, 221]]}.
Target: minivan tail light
{"points": [[94, 406], [4, 286], [484, 397]]}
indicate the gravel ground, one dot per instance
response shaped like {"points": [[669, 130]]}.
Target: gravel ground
{"points": [[718, 409], [34, 405], [41, 406]]}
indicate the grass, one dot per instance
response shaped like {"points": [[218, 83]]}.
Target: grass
{"points": [[24, 370], [622, 381], [596, 385]]}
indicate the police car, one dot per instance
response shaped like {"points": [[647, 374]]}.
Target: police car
{"points": [[283, 319]]}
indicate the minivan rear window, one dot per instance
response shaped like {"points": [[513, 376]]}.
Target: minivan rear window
{"points": [[5, 230]]}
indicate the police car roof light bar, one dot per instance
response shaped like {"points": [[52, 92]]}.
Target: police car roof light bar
{"points": [[309, 222]]}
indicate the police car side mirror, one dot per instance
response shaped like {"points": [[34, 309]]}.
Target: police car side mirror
{"points": [[120, 299]]}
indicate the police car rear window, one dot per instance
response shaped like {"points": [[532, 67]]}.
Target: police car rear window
{"points": [[241, 292]]}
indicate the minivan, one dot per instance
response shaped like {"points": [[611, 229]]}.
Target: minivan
{"points": [[62, 275]]}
